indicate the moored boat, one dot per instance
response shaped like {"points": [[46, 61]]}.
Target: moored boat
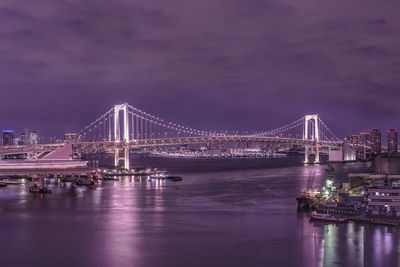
{"points": [[69, 178], [163, 175], [159, 175], [39, 189], [326, 218], [175, 178], [84, 179]]}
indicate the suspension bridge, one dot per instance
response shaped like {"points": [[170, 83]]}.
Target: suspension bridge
{"points": [[124, 127]]}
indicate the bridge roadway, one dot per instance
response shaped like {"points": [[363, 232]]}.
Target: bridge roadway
{"points": [[21, 149], [101, 146], [45, 172]]}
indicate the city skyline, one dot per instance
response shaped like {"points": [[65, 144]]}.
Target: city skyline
{"points": [[263, 63]]}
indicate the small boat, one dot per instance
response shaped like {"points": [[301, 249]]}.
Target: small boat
{"points": [[159, 175], [326, 218], [69, 178], [84, 179], [39, 189], [175, 178], [163, 175], [3, 184], [84, 182], [115, 172]]}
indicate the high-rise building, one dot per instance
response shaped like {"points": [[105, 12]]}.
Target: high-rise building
{"points": [[375, 141], [393, 141], [357, 139], [8, 137], [370, 139], [358, 143]]}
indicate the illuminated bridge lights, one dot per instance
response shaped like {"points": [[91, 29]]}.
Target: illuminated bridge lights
{"points": [[124, 127]]}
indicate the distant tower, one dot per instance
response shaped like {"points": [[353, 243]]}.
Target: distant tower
{"points": [[393, 141]]}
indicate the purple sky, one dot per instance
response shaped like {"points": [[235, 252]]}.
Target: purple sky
{"points": [[210, 64]]}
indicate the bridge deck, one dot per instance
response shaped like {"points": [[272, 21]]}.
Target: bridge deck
{"points": [[30, 172], [108, 145]]}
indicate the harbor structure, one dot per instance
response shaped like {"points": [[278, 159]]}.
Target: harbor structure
{"points": [[372, 196], [380, 188]]}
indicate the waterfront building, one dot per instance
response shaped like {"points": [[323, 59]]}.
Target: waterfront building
{"points": [[34, 137], [344, 153], [25, 136], [387, 164], [71, 137], [18, 141], [8, 137], [393, 140]]}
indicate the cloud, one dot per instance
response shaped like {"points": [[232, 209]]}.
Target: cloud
{"points": [[254, 64]]}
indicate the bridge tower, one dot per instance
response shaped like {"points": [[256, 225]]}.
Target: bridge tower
{"points": [[125, 135], [312, 134]]}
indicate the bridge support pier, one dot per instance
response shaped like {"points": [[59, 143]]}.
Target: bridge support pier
{"points": [[116, 157], [316, 160], [126, 158], [306, 155]]}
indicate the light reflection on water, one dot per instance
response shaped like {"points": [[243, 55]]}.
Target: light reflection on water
{"points": [[219, 217], [349, 244]]}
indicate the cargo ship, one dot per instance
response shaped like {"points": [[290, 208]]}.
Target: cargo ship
{"points": [[311, 198], [306, 201]]}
